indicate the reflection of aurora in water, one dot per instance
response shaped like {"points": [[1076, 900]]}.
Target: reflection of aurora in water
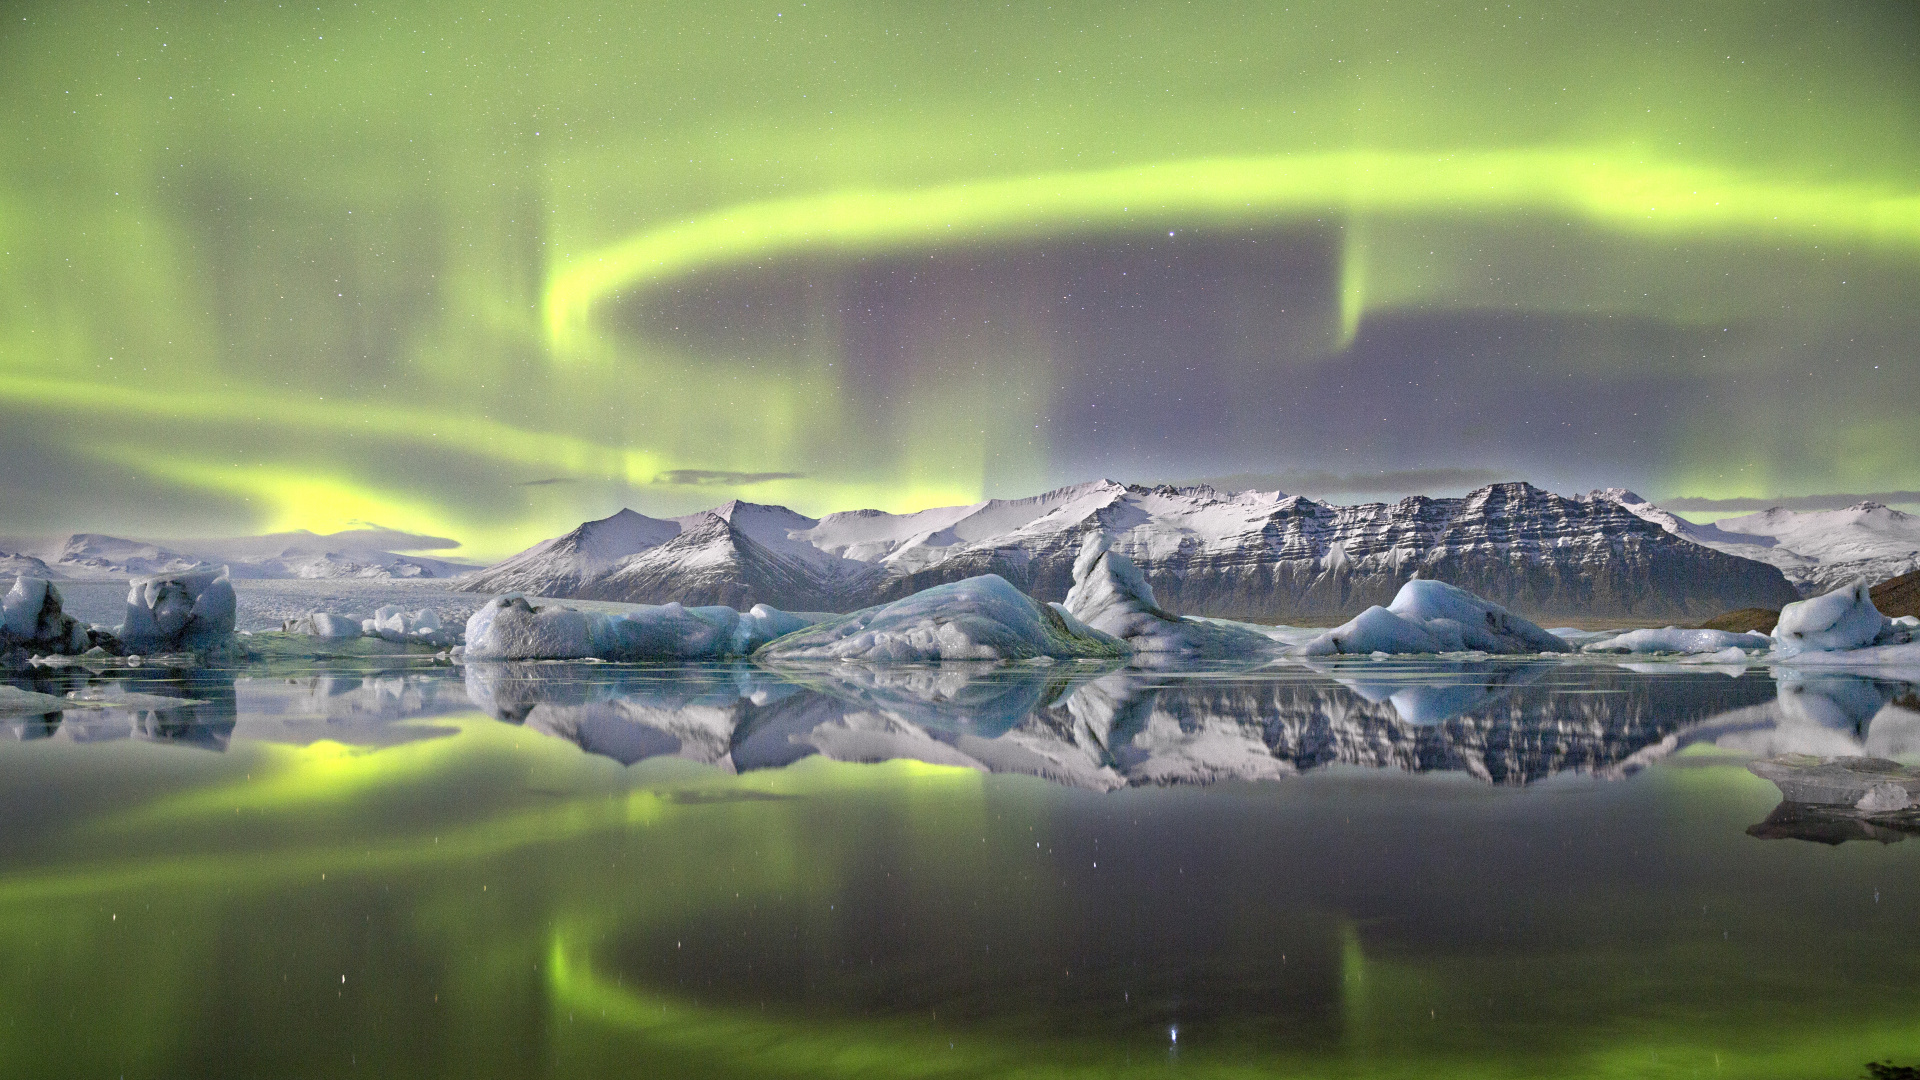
{"points": [[499, 903]]}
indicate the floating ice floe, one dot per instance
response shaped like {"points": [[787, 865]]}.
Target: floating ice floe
{"points": [[1435, 617], [980, 618], [1111, 596], [31, 617], [510, 628], [1673, 639], [193, 611]]}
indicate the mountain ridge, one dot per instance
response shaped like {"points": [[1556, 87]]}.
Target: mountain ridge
{"points": [[1254, 555]]}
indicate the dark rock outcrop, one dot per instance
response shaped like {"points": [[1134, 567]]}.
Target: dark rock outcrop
{"points": [[1898, 596]]}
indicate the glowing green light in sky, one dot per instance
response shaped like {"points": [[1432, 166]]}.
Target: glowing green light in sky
{"points": [[1614, 187], [488, 274]]}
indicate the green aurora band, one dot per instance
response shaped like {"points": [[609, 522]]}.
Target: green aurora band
{"points": [[452, 269]]}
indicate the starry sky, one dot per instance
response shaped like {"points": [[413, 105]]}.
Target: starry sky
{"points": [[482, 271]]}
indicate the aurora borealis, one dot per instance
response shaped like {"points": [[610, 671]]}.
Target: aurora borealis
{"points": [[485, 272]]}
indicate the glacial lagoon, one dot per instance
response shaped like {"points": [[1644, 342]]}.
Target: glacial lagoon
{"points": [[383, 866]]}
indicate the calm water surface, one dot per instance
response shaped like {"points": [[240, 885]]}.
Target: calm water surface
{"points": [[387, 868]]}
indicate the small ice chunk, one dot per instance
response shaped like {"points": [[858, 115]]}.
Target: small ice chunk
{"points": [[1884, 798]]}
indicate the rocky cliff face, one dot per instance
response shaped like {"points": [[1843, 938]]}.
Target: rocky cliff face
{"points": [[1534, 552], [1254, 555]]}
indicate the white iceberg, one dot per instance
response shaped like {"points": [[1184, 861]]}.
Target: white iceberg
{"points": [[326, 625], [1434, 617], [1113, 597], [1841, 620], [31, 615], [980, 618], [397, 625], [179, 611], [510, 628], [1675, 640]]}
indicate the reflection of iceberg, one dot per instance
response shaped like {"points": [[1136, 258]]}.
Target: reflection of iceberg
{"points": [[358, 708], [626, 714], [1434, 692], [1499, 721], [1824, 715], [1823, 825], [187, 708]]}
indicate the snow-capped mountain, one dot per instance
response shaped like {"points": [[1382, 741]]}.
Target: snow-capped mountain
{"points": [[566, 564], [1817, 550], [13, 564], [278, 555], [1251, 555]]}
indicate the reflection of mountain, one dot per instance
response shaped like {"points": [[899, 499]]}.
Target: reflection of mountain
{"points": [[1504, 722]]}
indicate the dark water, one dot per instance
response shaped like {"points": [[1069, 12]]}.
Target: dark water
{"points": [[1371, 869]]}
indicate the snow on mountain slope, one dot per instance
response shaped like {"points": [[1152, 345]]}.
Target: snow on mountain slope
{"points": [[566, 564], [304, 554], [1252, 555], [15, 564], [1817, 550], [93, 556], [715, 560]]}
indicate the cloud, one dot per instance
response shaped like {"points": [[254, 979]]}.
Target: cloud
{"points": [[721, 478], [1836, 501], [1385, 482]]}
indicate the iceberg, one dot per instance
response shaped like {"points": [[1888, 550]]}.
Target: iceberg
{"points": [[327, 626], [510, 628], [179, 612], [1675, 640], [396, 625], [979, 618], [1434, 617], [1832, 622], [31, 616], [1111, 596]]}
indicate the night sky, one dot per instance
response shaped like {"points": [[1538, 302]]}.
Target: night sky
{"points": [[484, 272]]}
